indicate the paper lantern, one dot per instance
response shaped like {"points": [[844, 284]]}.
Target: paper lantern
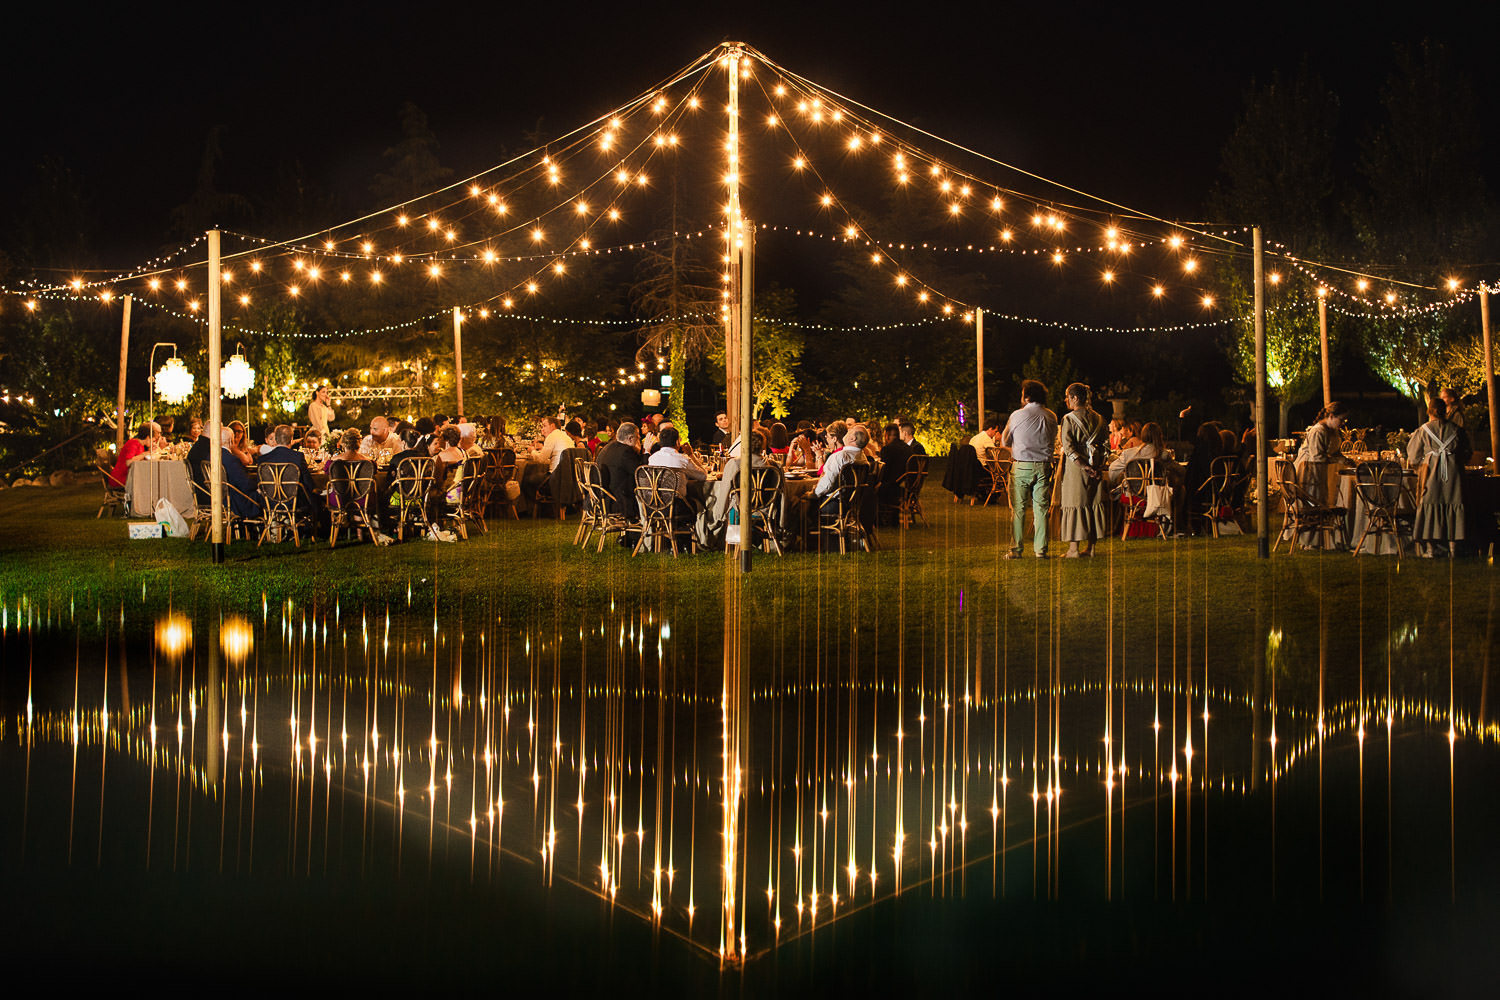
{"points": [[650, 397], [237, 377], [174, 383]]}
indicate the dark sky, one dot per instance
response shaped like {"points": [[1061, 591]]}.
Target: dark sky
{"points": [[1130, 101]]}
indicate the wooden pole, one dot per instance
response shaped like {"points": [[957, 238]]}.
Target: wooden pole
{"points": [[1489, 377], [733, 331], [458, 360], [979, 349], [120, 404], [1323, 336], [215, 403], [746, 241], [1262, 466]]}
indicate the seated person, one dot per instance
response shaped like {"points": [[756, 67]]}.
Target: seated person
{"points": [[467, 443], [1153, 445], [801, 454], [380, 444], [667, 456], [893, 455], [715, 517], [852, 453], [244, 494], [283, 452], [545, 459], [241, 446], [135, 449], [617, 462], [447, 473], [348, 446], [909, 435]]}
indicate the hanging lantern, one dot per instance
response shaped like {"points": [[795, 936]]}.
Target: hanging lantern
{"points": [[174, 383], [237, 377], [650, 397]]}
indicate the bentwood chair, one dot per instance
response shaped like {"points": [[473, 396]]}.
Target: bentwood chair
{"points": [[411, 480], [908, 505], [842, 511], [1222, 493], [351, 487], [1145, 477], [582, 470], [279, 497], [204, 517], [998, 469], [464, 505], [600, 507], [656, 496], [1305, 514], [115, 500], [504, 490], [1381, 488]]}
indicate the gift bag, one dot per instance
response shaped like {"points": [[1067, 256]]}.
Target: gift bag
{"points": [[172, 523], [1158, 501]]}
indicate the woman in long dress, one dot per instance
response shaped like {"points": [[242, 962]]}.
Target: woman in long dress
{"points": [[1084, 436], [1439, 449]]}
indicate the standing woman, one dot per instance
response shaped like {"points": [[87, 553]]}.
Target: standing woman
{"points": [[1439, 449], [1085, 441]]}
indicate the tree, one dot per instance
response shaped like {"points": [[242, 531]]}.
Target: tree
{"points": [[413, 168], [1050, 366], [776, 351]]}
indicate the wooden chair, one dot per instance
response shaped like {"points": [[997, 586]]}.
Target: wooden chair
{"points": [[204, 516], [463, 502], [842, 511], [501, 474], [598, 503], [279, 498], [998, 469], [1222, 492], [411, 480], [1140, 475], [1382, 490], [587, 522], [908, 505], [115, 500], [1303, 513], [656, 496], [351, 487]]}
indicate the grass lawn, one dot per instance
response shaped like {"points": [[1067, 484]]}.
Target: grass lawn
{"points": [[926, 589]]}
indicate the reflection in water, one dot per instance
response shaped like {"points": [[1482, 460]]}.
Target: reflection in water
{"points": [[826, 767]]}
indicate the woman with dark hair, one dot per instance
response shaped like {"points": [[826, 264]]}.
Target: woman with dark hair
{"points": [[1438, 450], [800, 452], [1206, 448], [1085, 440], [1153, 444], [781, 442]]}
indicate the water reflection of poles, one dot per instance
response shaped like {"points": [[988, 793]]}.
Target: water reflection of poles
{"points": [[736, 740], [1258, 683]]}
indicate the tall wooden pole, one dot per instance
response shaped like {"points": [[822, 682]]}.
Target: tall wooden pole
{"points": [[746, 255], [1323, 337], [458, 360], [732, 315], [979, 350], [120, 405], [1262, 466], [215, 403], [1489, 377]]}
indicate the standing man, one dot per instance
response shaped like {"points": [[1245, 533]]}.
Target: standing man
{"points": [[1030, 434]]}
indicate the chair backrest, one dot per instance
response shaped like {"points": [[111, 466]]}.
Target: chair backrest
{"points": [[1379, 483], [1288, 478], [765, 489], [472, 480], [199, 478], [655, 489], [413, 474], [278, 483], [351, 482], [1223, 477], [914, 477], [1137, 477], [853, 479]]}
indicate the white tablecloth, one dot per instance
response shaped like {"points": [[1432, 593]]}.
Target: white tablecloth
{"points": [[151, 479]]}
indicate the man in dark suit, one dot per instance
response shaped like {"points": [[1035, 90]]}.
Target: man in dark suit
{"points": [[893, 455], [617, 462], [244, 496], [311, 501]]}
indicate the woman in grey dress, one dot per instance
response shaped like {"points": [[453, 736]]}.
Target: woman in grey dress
{"points": [[1438, 450], [1084, 436]]}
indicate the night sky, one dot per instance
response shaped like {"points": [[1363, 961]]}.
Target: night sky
{"points": [[1128, 102]]}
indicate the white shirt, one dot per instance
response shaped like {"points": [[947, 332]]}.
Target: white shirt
{"points": [[981, 441], [553, 447], [671, 458], [833, 464], [375, 449]]}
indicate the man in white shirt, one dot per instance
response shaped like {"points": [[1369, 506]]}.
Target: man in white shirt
{"points": [[545, 460], [667, 456], [988, 437], [853, 452]]}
